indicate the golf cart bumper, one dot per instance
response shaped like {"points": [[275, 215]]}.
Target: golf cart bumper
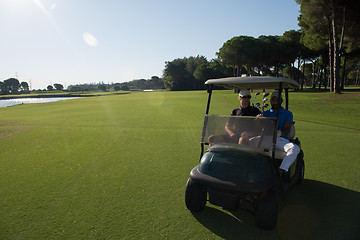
{"points": [[228, 194]]}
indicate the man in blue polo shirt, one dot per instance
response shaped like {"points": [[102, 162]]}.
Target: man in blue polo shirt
{"points": [[285, 121]]}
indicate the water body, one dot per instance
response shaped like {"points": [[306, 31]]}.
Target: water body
{"points": [[18, 101]]}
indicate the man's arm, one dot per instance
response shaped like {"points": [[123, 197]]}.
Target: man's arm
{"points": [[287, 124], [228, 129], [287, 127]]}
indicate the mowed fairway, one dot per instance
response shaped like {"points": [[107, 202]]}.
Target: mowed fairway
{"points": [[115, 167]]}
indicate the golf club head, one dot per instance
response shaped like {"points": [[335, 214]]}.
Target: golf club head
{"points": [[265, 99], [257, 93], [266, 94], [265, 106]]}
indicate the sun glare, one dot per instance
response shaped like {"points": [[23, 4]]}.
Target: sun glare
{"points": [[90, 39], [41, 6], [18, 3], [15, 6]]}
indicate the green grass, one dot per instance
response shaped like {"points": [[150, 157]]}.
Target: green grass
{"points": [[115, 167]]}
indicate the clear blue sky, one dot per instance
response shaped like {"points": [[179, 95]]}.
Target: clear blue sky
{"points": [[90, 41]]}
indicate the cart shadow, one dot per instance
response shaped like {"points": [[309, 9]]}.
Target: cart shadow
{"points": [[312, 210]]}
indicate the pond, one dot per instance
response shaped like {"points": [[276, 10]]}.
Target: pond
{"points": [[18, 101]]}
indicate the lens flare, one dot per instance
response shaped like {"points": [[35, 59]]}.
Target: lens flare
{"points": [[41, 6], [53, 6], [90, 39]]}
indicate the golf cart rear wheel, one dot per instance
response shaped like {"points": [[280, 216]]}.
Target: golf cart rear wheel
{"points": [[302, 171], [195, 196], [266, 211], [300, 167]]}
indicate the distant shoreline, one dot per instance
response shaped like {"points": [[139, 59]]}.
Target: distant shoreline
{"points": [[48, 96], [59, 95]]}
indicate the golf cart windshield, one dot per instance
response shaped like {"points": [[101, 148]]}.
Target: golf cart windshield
{"points": [[252, 132]]}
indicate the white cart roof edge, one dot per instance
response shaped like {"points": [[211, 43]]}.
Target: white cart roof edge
{"points": [[254, 82]]}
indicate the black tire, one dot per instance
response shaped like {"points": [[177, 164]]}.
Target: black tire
{"points": [[195, 196], [267, 210], [300, 168], [302, 171]]}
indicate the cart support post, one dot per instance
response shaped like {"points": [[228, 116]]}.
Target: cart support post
{"points": [[277, 122], [207, 112], [209, 98]]}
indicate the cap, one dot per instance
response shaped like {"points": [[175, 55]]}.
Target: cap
{"points": [[276, 94], [244, 93]]}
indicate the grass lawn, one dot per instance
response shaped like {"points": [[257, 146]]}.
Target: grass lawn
{"points": [[115, 167]]}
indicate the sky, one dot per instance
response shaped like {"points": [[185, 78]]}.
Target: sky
{"points": [[70, 42]]}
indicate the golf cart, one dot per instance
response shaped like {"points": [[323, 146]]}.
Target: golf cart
{"points": [[231, 173]]}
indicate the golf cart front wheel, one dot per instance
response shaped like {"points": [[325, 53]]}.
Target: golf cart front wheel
{"points": [[266, 211], [195, 196]]}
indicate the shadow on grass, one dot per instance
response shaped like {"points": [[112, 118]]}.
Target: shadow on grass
{"points": [[312, 210]]}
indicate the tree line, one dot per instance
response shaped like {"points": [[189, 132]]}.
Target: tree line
{"points": [[138, 84], [13, 86], [331, 29], [326, 50]]}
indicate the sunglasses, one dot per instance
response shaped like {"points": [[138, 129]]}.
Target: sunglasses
{"points": [[246, 97]]}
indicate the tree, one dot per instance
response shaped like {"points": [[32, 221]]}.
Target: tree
{"points": [[3, 89], [50, 88], [24, 86], [117, 87], [58, 86], [11, 85], [273, 53], [293, 45], [336, 21], [239, 52], [253, 56], [156, 83], [102, 87], [293, 51], [175, 76], [204, 72], [290, 72], [124, 88], [179, 73]]}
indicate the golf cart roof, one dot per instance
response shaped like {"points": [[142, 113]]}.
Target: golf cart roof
{"points": [[256, 82]]}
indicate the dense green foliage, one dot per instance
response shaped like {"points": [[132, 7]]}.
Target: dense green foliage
{"points": [[261, 55], [13, 86], [115, 167], [153, 83], [331, 26], [191, 73]]}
